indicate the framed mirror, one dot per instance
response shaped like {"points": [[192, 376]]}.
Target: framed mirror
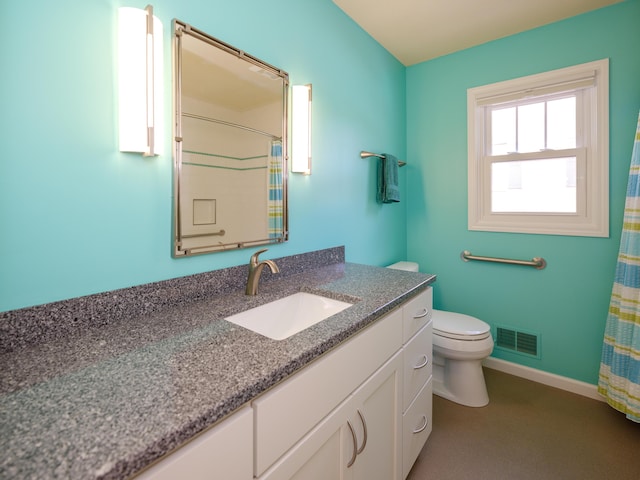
{"points": [[230, 146]]}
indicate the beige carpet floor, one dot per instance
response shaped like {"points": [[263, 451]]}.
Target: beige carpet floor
{"points": [[529, 431]]}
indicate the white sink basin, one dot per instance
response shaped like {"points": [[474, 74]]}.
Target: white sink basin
{"points": [[282, 318]]}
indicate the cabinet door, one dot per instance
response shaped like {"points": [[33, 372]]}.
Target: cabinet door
{"points": [[321, 454], [326, 463], [377, 421], [330, 450], [224, 451]]}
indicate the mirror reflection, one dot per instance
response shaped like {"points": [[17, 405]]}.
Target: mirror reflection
{"points": [[230, 178]]}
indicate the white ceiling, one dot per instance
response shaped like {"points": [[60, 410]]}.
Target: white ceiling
{"points": [[418, 30]]}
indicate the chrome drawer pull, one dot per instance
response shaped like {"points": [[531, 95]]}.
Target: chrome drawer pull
{"points": [[423, 364], [423, 313], [355, 445], [364, 427], [426, 422]]}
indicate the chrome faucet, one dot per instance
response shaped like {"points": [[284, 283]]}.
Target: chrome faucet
{"points": [[255, 269]]}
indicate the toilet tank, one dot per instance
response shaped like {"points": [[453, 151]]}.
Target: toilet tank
{"points": [[406, 266]]}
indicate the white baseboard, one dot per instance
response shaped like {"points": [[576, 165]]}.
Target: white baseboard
{"points": [[551, 379]]}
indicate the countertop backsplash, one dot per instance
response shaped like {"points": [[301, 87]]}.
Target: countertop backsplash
{"points": [[57, 320]]}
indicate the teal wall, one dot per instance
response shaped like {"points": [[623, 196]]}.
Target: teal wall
{"points": [[566, 304], [79, 217]]}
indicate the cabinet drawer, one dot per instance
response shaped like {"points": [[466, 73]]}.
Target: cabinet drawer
{"points": [[287, 412], [416, 313], [416, 427], [417, 364]]}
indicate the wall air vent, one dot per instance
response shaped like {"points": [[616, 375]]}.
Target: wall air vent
{"points": [[515, 341]]}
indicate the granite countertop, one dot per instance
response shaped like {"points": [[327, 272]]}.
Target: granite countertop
{"points": [[106, 400]]}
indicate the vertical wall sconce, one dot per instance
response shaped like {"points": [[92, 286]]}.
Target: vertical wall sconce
{"points": [[301, 129], [140, 81]]}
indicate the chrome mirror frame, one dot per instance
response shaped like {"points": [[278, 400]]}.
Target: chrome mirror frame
{"points": [[187, 244]]}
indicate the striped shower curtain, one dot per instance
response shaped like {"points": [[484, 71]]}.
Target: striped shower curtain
{"points": [[619, 380], [275, 202]]}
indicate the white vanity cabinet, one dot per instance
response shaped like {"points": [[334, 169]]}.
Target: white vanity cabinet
{"points": [[310, 426], [308, 420], [359, 440], [223, 451], [417, 391], [359, 412]]}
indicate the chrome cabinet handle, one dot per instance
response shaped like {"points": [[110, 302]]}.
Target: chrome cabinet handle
{"points": [[357, 451], [423, 364], [426, 422], [423, 313], [364, 427], [355, 445]]}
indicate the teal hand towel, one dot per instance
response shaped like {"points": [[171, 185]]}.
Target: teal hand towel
{"points": [[388, 191]]}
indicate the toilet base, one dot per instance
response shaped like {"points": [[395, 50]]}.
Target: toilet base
{"points": [[460, 381]]}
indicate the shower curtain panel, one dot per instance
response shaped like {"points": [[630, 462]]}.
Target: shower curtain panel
{"points": [[275, 202], [619, 380]]}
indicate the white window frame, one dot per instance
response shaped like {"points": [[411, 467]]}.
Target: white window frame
{"points": [[592, 152]]}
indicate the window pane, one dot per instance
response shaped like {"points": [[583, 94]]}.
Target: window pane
{"points": [[540, 186], [503, 131], [531, 127], [561, 123]]}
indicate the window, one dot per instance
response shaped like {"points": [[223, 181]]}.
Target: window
{"points": [[539, 153]]}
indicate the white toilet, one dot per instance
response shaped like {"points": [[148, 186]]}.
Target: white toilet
{"points": [[460, 343]]}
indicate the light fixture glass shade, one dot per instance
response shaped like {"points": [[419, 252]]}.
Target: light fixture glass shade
{"points": [[140, 81], [301, 129]]}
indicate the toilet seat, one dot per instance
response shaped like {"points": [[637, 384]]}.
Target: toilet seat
{"points": [[459, 326]]}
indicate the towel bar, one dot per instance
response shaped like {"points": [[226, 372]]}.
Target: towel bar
{"points": [[538, 262], [364, 154]]}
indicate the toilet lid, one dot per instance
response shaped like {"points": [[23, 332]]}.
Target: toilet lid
{"points": [[459, 326]]}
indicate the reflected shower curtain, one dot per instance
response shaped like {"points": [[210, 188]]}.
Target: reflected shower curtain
{"points": [[274, 205], [619, 380]]}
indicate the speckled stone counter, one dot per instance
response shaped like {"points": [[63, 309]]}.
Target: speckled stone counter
{"points": [[100, 387]]}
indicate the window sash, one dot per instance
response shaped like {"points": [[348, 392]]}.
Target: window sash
{"points": [[581, 104], [580, 155]]}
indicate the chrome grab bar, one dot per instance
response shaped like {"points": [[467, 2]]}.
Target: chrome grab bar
{"points": [[538, 262], [211, 234]]}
